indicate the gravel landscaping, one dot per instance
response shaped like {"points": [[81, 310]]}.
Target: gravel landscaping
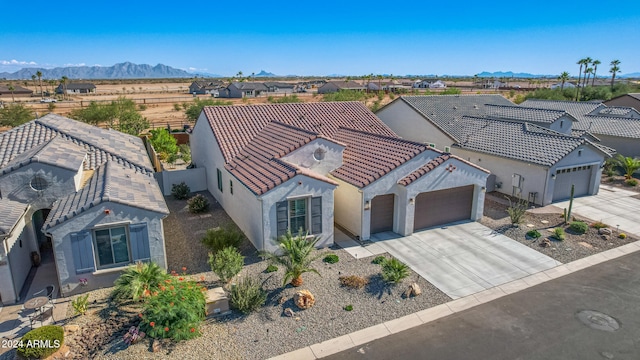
{"points": [[574, 247]]}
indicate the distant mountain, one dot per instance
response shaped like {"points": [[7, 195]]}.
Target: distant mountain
{"points": [[511, 74], [631, 75], [263, 73], [124, 70]]}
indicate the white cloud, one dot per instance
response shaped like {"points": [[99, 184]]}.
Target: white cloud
{"points": [[16, 62], [80, 64], [195, 69]]}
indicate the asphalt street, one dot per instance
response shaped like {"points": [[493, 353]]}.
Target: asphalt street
{"points": [[590, 314]]}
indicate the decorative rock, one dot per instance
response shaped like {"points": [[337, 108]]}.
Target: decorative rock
{"points": [[545, 243], [156, 345], [71, 328], [587, 245], [288, 312], [407, 293], [544, 221], [530, 225], [304, 299], [282, 300], [605, 231], [605, 237], [415, 289]]}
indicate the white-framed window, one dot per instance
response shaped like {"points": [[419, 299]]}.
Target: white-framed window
{"points": [[299, 214], [298, 219], [111, 246]]}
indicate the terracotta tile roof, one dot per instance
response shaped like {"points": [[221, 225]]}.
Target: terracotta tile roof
{"points": [[235, 126], [370, 156], [424, 169]]}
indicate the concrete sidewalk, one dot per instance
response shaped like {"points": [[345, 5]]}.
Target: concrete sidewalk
{"points": [[364, 336]]}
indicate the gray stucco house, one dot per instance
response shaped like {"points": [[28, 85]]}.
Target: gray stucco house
{"points": [[335, 86], [84, 196], [279, 167], [76, 88], [242, 90], [532, 153]]}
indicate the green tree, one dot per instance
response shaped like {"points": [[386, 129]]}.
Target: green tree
{"points": [[63, 81], [121, 114], [163, 142], [628, 164], [39, 75], [94, 114], [296, 254], [580, 62], [614, 70], [595, 70], [564, 77], [587, 62], [12, 89], [15, 114], [193, 111], [33, 78]]}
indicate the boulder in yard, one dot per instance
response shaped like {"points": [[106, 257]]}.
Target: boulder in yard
{"points": [[304, 299], [605, 231]]}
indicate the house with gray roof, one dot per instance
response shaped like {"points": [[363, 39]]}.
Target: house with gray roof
{"points": [[304, 167], [631, 100], [335, 86], [203, 86], [243, 89], [80, 195], [76, 88], [278, 87], [531, 153], [617, 127]]}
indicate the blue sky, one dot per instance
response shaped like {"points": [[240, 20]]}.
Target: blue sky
{"points": [[323, 37]]}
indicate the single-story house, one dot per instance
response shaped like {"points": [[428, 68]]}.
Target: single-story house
{"points": [[205, 87], [306, 166], [567, 85], [279, 87], [242, 89], [438, 84], [17, 91], [80, 195], [616, 127], [76, 88], [335, 86], [631, 100], [531, 153]]}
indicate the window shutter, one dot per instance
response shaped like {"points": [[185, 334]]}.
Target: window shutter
{"points": [[140, 250], [316, 215], [282, 217], [82, 249]]}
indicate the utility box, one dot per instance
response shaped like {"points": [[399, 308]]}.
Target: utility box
{"points": [[217, 302]]}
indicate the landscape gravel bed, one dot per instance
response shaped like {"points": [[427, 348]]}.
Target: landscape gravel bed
{"points": [[574, 247]]}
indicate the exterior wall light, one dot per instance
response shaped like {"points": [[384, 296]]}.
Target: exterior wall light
{"points": [[412, 201], [367, 205]]}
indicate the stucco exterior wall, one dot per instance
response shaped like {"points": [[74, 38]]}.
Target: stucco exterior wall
{"points": [[304, 156], [624, 146], [196, 178], [17, 263], [119, 215], [348, 207], [582, 156], [410, 125], [562, 125]]}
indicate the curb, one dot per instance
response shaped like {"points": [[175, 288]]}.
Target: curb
{"points": [[348, 341]]}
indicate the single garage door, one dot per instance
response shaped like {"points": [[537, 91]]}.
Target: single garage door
{"points": [[382, 213], [580, 176], [440, 207]]}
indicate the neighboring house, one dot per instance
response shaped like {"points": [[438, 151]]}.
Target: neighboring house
{"points": [[396, 86], [17, 91], [306, 166], [631, 100], [567, 85], [335, 86], [279, 87], [437, 85], [422, 84], [243, 90], [371, 86], [79, 194], [202, 87], [530, 152], [616, 127], [76, 88]]}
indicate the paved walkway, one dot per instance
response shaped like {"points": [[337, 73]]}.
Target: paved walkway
{"points": [[364, 336], [465, 258], [613, 206], [353, 248]]}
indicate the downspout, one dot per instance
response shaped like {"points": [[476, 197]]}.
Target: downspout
{"points": [[262, 222], [545, 186]]}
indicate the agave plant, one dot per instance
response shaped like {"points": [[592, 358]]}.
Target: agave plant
{"points": [[138, 280], [297, 254]]}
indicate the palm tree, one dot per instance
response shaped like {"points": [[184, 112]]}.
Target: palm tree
{"points": [[595, 70], [239, 75], [33, 78], [12, 89], [588, 71], [296, 257], [580, 62], [39, 75], [587, 62], [614, 70], [64, 86], [564, 77], [628, 164]]}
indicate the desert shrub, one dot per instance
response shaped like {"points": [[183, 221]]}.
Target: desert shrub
{"points": [[30, 347], [516, 211], [80, 304], [163, 141], [331, 259], [353, 281], [138, 281], [247, 296], [271, 268], [226, 263], [175, 310], [599, 225], [378, 260], [631, 182], [579, 227], [533, 234], [177, 107], [180, 191], [296, 253], [142, 107], [559, 234], [222, 237], [622, 236], [198, 204], [394, 270], [348, 307]]}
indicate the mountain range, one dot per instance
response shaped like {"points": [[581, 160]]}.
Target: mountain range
{"points": [[125, 70]]}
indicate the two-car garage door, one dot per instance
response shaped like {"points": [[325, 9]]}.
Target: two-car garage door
{"points": [[579, 176]]}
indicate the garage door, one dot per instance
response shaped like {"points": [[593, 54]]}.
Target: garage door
{"points": [[440, 207], [579, 176], [382, 213]]}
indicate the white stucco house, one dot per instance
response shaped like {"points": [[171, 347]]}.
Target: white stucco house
{"points": [[279, 167], [532, 153], [80, 195]]}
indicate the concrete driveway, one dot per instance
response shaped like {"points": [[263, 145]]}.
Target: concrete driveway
{"points": [[464, 258], [612, 206]]}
